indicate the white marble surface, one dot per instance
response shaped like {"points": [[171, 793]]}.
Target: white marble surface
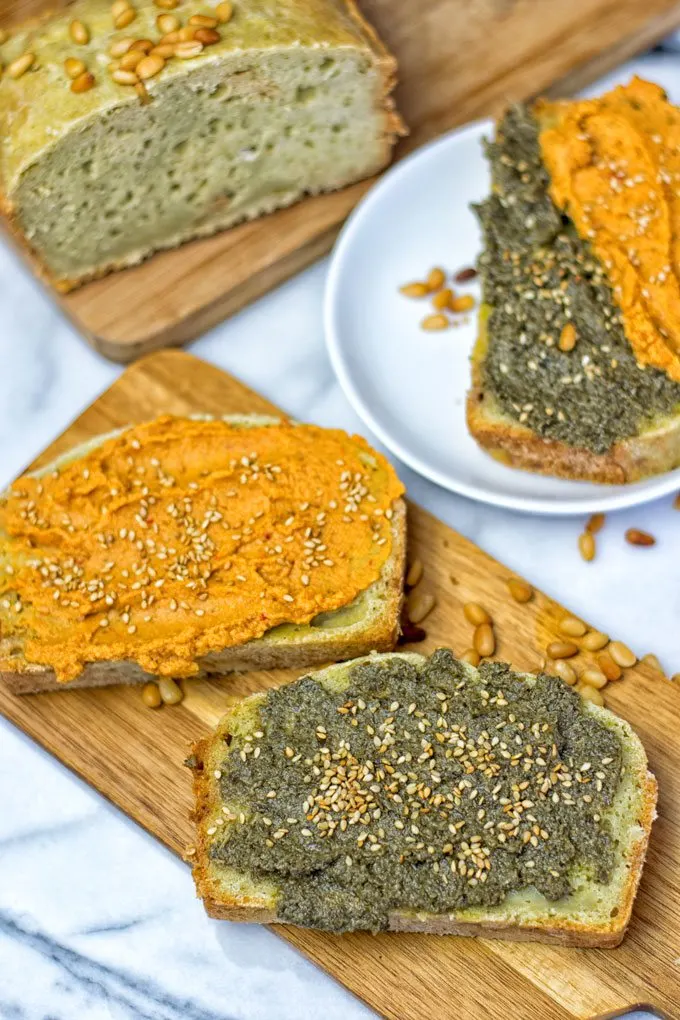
{"points": [[96, 920]]}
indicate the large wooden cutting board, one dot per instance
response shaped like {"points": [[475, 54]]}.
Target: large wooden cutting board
{"points": [[459, 60], [134, 757]]}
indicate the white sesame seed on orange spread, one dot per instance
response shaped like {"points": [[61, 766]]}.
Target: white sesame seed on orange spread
{"points": [[180, 537]]}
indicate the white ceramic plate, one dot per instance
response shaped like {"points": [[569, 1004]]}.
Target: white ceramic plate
{"points": [[407, 385]]}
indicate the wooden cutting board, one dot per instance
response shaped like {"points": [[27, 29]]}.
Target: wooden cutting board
{"points": [[134, 757], [459, 60]]}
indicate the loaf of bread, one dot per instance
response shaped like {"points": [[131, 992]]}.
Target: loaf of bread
{"points": [[135, 127]]}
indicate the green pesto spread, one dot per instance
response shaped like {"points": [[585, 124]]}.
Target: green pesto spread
{"points": [[538, 275], [429, 787]]}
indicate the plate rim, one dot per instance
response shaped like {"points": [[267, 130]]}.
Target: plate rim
{"points": [[548, 506]]}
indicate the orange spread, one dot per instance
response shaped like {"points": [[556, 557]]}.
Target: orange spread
{"points": [[615, 169], [181, 537]]}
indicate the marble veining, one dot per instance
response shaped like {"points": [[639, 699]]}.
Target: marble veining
{"points": [[97, 920]]}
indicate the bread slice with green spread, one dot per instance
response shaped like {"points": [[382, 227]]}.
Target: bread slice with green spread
{"points": [[150, 624], [232, 111], [576, 371], [409, 794]]}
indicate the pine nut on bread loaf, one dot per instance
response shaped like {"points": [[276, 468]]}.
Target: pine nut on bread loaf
{"points": [[184, 547], [409, 794], [233, 110]]}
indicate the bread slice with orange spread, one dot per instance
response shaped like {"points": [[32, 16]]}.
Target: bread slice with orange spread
{"points": [[576, 371], [409, 794], [184, 547]]}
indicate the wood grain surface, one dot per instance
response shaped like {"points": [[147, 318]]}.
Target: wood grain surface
{"points": [[134, 756], [459, 60]]}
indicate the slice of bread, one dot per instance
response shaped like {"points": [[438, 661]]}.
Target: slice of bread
{"points": [[594, 914], [655, 450], [370, 621]]}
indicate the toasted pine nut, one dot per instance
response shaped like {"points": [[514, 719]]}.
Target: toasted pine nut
{"points": [[129, 61], [144, 97], [419, 604], [83, 83], [567, 340], [464, 303], [572, 626], [484, 639], [74, 68], [124, 77], [164, 50], [561, 649], [520, 590], [208, 36], [594, 678], [621, 654], [170, 37], [436, 279], [471, 656], [186, 34], [594, 640], [652, 661], [565, 671], [611, 669], [586, 546], [149, 67], [171, 692], [636, 537], [465, 275], [202, 21], [224, 11], [442, 299], [20, 65], [142, 45], [475, 614], [595, 523], [434, 322], [590, 693], [79, 33], [151, 696], [167, 5], [415, 290], [415, 572], [167, 23], [126, 18], [120, 47], [118, 7], [186, 50]]}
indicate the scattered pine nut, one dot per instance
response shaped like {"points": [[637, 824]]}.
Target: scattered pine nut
{"points": [[419, 604], [595, 523], [187, 50], [484, 640], [475, 614], [565, 671], [594, 678], [414, 290], [144, 97], [590, 693], [224, 11], [520, 590], [124, 77], [202, 21], [594, 640], [151, 696], [167, 5], [120, 47], [83, 83], [562, 649], [435, 322], [20, 65], [118, 7], [572, 626], [652, 661], [170, 691], [79, 33], [611, 669], [143, 45], [73, 67], [567, 340], [464, 303], [167, 23], [415, 572], [126, 18], [465, 275], [636, 537], [621, 654], [207, 36], [129, 61], [186, 34], [436, 279], [471, 656], [586, 546], [443, 299], [149, 67]]}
